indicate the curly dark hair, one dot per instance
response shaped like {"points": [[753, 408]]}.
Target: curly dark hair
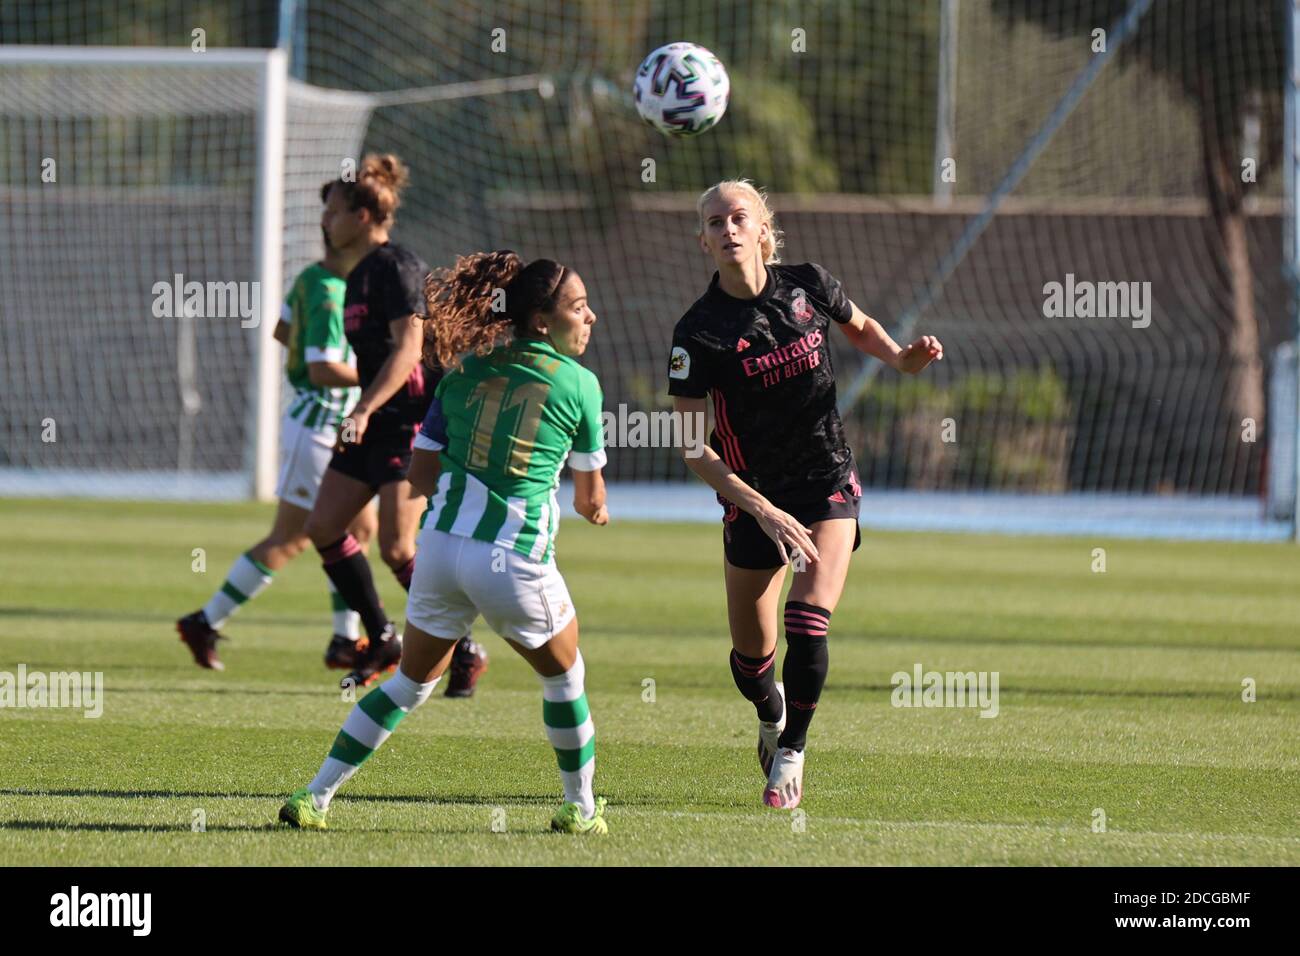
{"points": [[486, 299]]}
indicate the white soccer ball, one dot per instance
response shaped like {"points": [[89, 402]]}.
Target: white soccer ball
{"points": [[682, 89]]}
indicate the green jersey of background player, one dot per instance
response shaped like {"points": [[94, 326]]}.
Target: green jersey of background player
{"points": [[514, 407], [311, 328]]}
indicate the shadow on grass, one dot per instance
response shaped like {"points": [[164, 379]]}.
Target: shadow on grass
{"points": [[438, 799], [122, 827], [242, 690], [1211, 643], [269, 827], [1231, 695], [165, 618], [348, 830], [1010, 690]]}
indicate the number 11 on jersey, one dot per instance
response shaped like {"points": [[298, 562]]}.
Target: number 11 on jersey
{"points": [[492, 399]]}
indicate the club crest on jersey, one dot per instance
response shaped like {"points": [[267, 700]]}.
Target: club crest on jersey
{"points": [[802, 310], [679, 364], [742, 344]]}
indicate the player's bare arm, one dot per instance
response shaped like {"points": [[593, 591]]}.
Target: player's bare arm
{"points": [[332, 374], [408, 337], [781, 527], [869, 336], [589, 496], [426, 465]]}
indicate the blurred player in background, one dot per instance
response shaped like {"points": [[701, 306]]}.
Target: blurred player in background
{"points": [[756, 342], [382, 305], [321, 372], [490, 453]]}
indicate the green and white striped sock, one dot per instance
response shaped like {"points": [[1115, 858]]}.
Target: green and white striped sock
{"points": [[571, 733], [371, 722], [245, 580], [347, 622]]}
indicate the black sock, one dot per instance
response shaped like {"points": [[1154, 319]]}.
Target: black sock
{"points": [[804, 670], [756, 679], [348, 568]]}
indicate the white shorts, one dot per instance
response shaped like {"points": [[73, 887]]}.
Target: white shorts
{"points": [[305, 453], [456, 578]]}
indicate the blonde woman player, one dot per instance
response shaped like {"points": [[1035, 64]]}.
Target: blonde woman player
{"points": [[490, 452], [757, 343]]}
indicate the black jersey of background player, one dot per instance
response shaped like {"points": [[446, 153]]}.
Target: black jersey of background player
{"points": [[388, 284], [767, 363]]}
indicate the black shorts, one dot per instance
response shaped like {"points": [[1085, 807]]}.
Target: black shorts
{"points": [[746, 545], [382, 457]]}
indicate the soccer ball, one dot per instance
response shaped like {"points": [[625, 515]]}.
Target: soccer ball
{"points": [[682, 89]]}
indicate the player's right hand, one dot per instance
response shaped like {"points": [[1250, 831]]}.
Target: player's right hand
{"points": [[353, 428], [598, 514], [788, 534]]}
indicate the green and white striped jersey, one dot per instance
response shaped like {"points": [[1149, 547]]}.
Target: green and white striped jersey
{"points": [[314, 311], [505, 424]]}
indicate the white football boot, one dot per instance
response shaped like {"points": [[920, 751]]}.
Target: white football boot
{"points": [[769, 734], [785, 780]]}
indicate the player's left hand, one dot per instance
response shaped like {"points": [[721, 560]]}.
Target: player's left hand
{"points": [[919, 354]]}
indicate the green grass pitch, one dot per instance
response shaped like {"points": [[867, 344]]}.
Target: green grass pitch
{"points": [[1120, 691]]}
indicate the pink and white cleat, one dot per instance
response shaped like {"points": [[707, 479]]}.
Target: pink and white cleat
{"points": [[785, 780], [770, 734]]}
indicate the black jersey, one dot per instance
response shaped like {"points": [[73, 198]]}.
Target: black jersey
{"points": [[386, 285], [766, 362]]}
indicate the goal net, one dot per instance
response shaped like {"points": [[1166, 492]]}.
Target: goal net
{"points": [[1084, 199], [154, 202]]}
